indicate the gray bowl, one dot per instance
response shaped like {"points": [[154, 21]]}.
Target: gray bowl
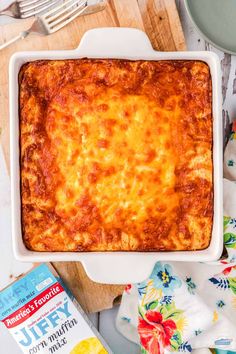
{"points": [[216, 21]]}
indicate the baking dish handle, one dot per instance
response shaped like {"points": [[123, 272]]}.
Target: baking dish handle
{"points": [[118, 268], [115, 42]]}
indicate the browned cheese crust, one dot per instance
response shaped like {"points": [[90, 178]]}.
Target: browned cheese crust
{"points": [[116, 155]]}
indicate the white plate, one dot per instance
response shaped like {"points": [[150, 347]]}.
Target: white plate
{"points": [[116, 267]]}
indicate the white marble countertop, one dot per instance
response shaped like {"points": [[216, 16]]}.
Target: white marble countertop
{"points": [[9, 268]]}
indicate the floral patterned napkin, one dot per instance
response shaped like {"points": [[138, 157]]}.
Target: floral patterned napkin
{"points": [[187, 306]]}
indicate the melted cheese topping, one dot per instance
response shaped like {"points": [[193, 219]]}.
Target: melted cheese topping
{"points": [[116, 155]]}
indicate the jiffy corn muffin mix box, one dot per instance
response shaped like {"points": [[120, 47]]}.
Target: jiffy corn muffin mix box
{"points": [[43, 317]]}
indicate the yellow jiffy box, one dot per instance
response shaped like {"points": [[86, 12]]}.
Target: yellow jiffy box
{"points": [[44, 317]]}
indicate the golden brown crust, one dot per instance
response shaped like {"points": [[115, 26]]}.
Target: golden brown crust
{"points": [[116, 155]]}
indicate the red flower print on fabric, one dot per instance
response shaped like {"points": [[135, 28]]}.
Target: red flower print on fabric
{"points": [[127, 288], [155, 334]]}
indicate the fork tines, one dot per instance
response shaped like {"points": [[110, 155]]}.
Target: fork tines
{"points": [[59, 16], [29, 8]]}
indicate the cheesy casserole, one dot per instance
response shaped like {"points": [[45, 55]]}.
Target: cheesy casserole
{"points": [[116, 155]]}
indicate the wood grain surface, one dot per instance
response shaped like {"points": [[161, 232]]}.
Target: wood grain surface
{"points": [[92, 296], [159, 18]]}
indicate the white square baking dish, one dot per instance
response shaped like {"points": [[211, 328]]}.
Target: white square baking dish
{"points": [[116, 267]]}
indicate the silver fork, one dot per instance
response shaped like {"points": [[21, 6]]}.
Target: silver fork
{"points": [[27, 8], [58, 17]]}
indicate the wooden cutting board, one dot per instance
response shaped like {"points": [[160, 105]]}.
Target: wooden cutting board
{"points": [[160, 20]]}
